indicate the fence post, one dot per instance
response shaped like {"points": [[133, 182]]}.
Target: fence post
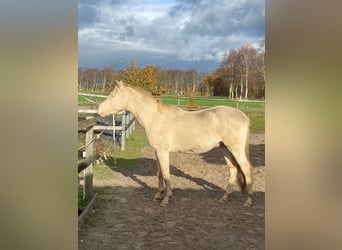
{"points": [[123, 132], [130, 124], [133, 123], [88, 172], [127, 124], [128, 119], [114, 140]]}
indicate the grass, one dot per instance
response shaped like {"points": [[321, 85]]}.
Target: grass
{"points": [[124, 158], [89, 99], [82, 204]]}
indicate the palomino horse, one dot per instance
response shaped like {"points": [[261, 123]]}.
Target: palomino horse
{"points": [[171, 129]]}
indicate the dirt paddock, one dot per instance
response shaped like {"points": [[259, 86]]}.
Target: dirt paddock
{"points": [[125, 216]]}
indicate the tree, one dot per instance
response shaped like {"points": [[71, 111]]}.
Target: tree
{"points": [[230, 71], [149, 78], [240, 74], [209, 81], [80, 79], [145, 78], [247, 58], [107, 77]]}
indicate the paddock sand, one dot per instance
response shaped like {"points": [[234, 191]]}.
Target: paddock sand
{"points": [[125, 217]]}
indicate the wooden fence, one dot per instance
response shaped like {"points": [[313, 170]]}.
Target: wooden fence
{"points": [[87, 125], [127, 124]]}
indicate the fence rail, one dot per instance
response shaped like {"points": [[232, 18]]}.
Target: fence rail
{"points": [[92, 95], [127, 124], [85, 163]]}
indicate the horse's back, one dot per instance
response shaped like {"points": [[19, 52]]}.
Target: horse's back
{"points": [[214, 117], [225, 114]]}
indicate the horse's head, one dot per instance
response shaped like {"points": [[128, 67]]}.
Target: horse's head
{"points": [[115, 102]]}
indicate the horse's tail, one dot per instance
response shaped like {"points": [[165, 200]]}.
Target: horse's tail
{"points": [[240, 175], [241, 179]]}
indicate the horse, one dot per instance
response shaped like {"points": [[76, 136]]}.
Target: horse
{"points": [[172, 129]]}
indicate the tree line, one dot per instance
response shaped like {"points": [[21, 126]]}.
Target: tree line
{"points": [[241, 75]]}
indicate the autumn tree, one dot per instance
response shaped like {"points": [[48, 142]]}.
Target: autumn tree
{"points": [[209, 80], [131, 74], [149, 78], [145, 78]]}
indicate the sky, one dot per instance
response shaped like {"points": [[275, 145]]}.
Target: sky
{"points": [[178, 34]]}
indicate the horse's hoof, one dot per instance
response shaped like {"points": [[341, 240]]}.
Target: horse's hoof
{"points": [[156, 198], [164, 203], [248, 204], [222, 200]]}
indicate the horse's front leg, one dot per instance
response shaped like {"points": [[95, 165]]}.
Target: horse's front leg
{"points": [[163, 158], [161, 186]]}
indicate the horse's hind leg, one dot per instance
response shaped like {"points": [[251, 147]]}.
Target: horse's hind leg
{"points": [[161, 186], [232, 172], [163, 157]]}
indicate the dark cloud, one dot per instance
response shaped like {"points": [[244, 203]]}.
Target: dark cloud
{"points": [[87, 15], [184, 6], [88, 11], [181, 32], [224, 19]]}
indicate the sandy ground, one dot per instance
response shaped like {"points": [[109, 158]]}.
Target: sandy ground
{"points": [[125, 216]]}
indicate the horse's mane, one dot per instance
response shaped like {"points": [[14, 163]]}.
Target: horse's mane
{"points": [[140, 90], [163, 107]]}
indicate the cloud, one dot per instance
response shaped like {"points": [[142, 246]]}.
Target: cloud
{"points": [[184, 30]]}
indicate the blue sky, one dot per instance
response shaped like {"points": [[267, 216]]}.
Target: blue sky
{"points": [[181, 34]]}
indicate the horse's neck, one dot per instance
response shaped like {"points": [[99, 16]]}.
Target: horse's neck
{"points": [[143, 107]]}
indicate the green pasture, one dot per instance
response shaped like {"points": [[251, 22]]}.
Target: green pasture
{"points": [[89, 99], [206, 102]]}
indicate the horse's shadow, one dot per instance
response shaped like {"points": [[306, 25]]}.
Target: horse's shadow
{"points": [[257, 155], [148, 167]]}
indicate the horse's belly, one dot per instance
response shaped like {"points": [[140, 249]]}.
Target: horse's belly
{"points": [[194, 146]]}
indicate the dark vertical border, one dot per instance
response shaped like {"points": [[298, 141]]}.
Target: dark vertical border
{"points": [[38, 97], [303, 125]]}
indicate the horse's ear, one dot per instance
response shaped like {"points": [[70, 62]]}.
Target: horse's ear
{"points": [[119, 83]]}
